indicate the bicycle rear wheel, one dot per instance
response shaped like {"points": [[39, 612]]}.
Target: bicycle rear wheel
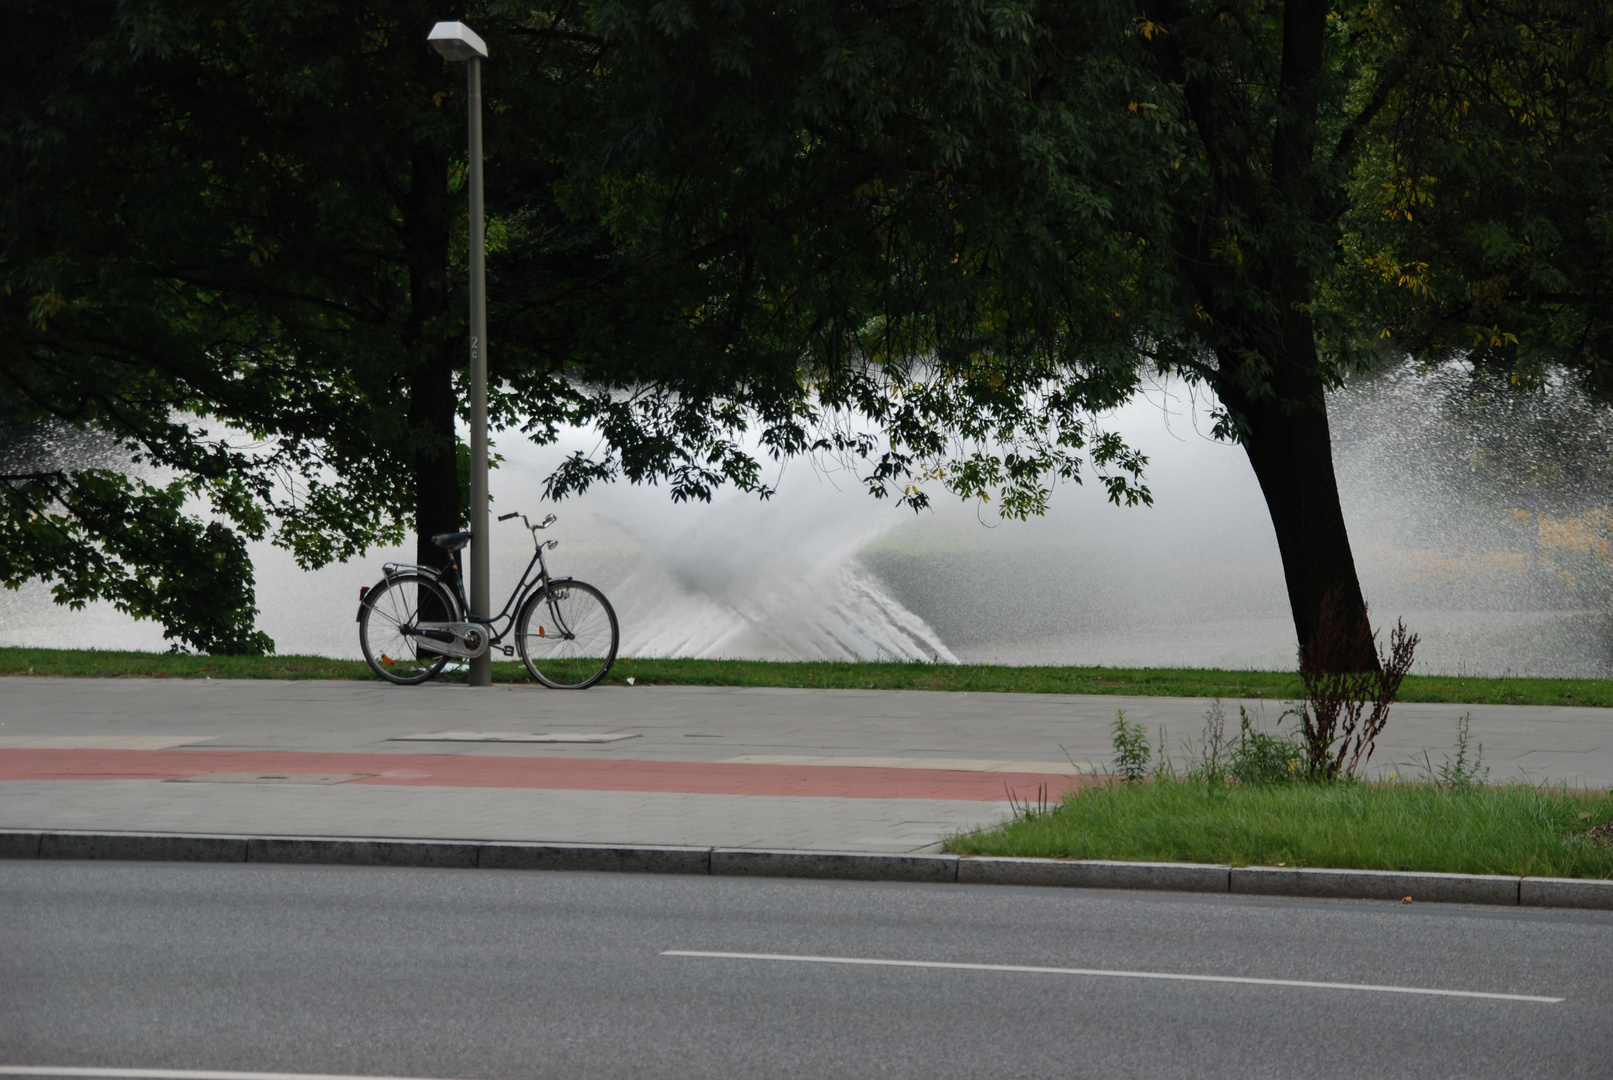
{"points": [[567, 635], [404, 600]]}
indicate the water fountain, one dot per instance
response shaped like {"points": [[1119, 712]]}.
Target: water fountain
{"points": [[823, 571]]}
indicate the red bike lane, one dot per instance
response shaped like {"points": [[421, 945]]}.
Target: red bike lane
{"points": [[554, 773]]}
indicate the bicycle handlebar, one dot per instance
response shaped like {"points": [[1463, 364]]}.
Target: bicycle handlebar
{"points": [[544, 524]]}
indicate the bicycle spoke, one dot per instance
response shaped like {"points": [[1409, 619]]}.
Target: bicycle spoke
{"points": [[391, 608], [568, 637]]}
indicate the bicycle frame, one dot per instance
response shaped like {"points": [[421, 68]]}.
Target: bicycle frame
{"points": [[453, 577]]}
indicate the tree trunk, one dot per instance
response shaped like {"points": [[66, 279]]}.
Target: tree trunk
{"points": [[436, 465], [1255, 307], [433, 349], [1285, 433], [1293, 461]]}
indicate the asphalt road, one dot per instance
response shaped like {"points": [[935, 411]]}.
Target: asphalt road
{"points": [[448, 974]]}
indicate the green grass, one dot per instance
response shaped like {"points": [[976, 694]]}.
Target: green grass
{"points": [[1157, 682], [1515, 829], [86, 663]]}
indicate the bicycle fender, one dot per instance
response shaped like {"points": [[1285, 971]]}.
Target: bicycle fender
{"points": [[393, 569], [389, 571]]}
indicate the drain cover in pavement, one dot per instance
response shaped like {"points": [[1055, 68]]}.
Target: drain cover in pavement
{"points": [[517, 736], [271, 778]]}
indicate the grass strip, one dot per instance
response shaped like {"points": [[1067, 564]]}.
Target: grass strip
{"points": [[1513, 829], [975, 678]]}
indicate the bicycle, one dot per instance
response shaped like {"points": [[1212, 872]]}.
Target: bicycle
{"points": [[414, 620]]}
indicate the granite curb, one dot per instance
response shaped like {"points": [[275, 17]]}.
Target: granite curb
{"points": [[1487, 889], [1094, 874], [1376, 885], [839, 865]]}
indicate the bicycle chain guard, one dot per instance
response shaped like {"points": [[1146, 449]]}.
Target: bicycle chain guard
{"points": [[470, 640]]}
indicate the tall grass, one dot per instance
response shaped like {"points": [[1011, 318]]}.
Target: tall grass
{"points": [[1515, 829]]}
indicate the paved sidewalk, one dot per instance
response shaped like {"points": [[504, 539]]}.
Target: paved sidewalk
{"points": [[802, 769]]}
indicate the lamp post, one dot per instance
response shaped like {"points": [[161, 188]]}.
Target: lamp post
{"points": [[457, 41]]}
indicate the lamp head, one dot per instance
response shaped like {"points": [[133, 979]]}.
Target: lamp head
{"points": [[457, 41]]}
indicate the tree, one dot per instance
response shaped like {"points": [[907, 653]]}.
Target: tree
{"points": [[828, 203], [942, 238], [246, 214], [1482, 224], [241, 215], [958, 213]]}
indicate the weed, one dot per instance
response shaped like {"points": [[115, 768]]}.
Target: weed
{"points": [[1164, 768], [1026, 810], [1210, 768], [1458, 773], [1266, 759], [1341, 680], [1255, 758], [1132, 753]]}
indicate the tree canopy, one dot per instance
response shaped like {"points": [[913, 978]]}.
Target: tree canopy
{"points": [[1053, 195], [231, 244], [939, 238], [1482, 222]]}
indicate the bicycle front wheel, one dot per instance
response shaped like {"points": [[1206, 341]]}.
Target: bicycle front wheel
{"points": [[567, 635], [391, 608]]}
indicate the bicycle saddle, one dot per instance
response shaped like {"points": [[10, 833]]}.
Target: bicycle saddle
{"points": [[451, 541]]}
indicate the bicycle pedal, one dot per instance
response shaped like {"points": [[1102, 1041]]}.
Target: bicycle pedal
{"points": [[509, 650]]}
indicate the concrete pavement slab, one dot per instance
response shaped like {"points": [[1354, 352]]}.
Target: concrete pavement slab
{"points": [[582, 817], [691, 723], [828, 736]]}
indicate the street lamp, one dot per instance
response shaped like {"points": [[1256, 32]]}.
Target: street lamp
{"points": [[456, 41]]}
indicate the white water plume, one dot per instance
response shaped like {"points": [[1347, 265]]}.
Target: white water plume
{"points": [[823, 571], [777, 580], [768, 589]]}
